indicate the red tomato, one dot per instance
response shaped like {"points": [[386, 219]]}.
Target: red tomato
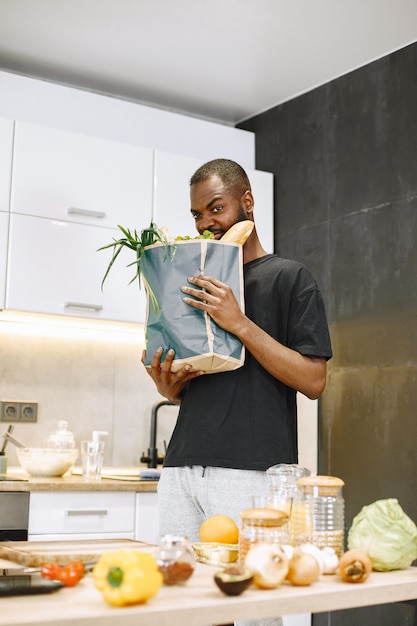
{"points": [[69, 575], [78, 566], [50, 571]]}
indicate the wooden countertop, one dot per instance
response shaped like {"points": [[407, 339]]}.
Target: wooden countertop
{"points": [[199, 602], [75, 483]]}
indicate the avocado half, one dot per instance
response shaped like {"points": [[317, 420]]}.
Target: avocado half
{"points": [[233, 580]]}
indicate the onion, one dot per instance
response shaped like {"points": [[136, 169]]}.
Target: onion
{"points": [[314, 551], [269, 564], [303, 568]]}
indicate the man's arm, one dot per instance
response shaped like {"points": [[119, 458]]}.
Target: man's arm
{"points": [[303, 373]]}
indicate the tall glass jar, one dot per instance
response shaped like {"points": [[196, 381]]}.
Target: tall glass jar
{"points": [[319, 513], [283, 478], [262, 526], [283, 488]]}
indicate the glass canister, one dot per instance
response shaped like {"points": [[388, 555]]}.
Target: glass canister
{"points": [[175, 558], [283, 478], [61, 438], [319, 513], [262, 526], [283, 487]]}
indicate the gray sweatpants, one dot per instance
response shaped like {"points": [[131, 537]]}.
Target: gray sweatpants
{"points": [[189, 495]]}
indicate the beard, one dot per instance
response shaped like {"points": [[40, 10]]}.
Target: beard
{"points": [[242, 214]]}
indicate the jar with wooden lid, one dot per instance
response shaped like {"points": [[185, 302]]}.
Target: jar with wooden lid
{"points": [[319, 513], [282, 480], [263, 525]]}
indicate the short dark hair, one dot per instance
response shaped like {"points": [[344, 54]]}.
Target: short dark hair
{"points": [[231, 173]]}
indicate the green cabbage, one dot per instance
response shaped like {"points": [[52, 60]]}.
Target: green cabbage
{"points": [[386, 534]]}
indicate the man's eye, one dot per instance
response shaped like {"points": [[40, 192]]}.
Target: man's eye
{"points": [[217, 208], [195, 216]]}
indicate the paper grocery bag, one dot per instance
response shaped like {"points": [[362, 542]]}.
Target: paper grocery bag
{"points": [[171, 323]]}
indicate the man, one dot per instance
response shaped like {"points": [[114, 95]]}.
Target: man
{"points": [[232, 426]]}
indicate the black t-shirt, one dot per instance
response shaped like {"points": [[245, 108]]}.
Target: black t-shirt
{"points": [[246, 419]]}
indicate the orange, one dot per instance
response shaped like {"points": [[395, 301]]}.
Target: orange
{"points": [[219, 528]]}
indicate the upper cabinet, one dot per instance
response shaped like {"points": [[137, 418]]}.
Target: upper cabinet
{"points": [[65, 197], [4, 227], [69, 193], [262, 184], [6, 152], [79, 178], [54, 267], [171, 207]]}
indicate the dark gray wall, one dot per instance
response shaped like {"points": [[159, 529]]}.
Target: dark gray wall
{"points": [[344, 158]]}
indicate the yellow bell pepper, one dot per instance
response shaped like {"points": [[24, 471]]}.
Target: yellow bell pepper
{"points": [[127, 577]]}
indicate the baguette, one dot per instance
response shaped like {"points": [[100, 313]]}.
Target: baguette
{"points": [[239, 232]]}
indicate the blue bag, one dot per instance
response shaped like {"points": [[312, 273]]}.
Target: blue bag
{"points": [[171, 323]]}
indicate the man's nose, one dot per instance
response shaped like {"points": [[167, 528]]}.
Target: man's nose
{"points": [[205, 223]]}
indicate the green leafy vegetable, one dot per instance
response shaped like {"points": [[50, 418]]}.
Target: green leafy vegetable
{"points": [[207, 234], [386, 534], [137, 243]]}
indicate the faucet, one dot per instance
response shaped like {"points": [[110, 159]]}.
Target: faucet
{"points": [[152, 459]]}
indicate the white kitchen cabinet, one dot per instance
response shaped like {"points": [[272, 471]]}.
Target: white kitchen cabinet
{"points": [[171, 206], [78, 178], [81, 515], [4, 232], [6, 153], [146, 522], [171, 203], [262, 184], [54, 267]]}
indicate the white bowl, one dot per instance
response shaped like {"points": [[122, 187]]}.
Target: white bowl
{"points": [[46, 461]]}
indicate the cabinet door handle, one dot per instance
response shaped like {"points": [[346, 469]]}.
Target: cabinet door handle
{"points": [[83, 305], [80, 512], [76, 211]]}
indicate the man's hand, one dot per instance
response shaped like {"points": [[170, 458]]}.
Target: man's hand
{"points": [[169, 384], [217, 299]]}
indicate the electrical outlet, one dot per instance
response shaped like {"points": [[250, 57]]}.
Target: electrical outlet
{"points": [[10, 411], [28, 411], [18, 411]]}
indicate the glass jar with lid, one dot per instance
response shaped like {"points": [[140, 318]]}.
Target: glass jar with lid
{"points": [[319, 513], [61, 438], [282, 479], [175, 558], [263, 525]]}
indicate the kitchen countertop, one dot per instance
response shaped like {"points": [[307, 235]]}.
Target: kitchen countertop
{"points": [[199, 602], [126, 479]]}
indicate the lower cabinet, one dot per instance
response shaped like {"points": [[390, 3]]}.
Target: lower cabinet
{"points": [[93, 515], [146, 517], [82, 515]]}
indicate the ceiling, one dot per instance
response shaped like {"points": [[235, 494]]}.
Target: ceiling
{"points": [[222, 60]]}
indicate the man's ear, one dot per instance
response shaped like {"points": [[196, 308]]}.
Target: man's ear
{"points": [[248, 202]]}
